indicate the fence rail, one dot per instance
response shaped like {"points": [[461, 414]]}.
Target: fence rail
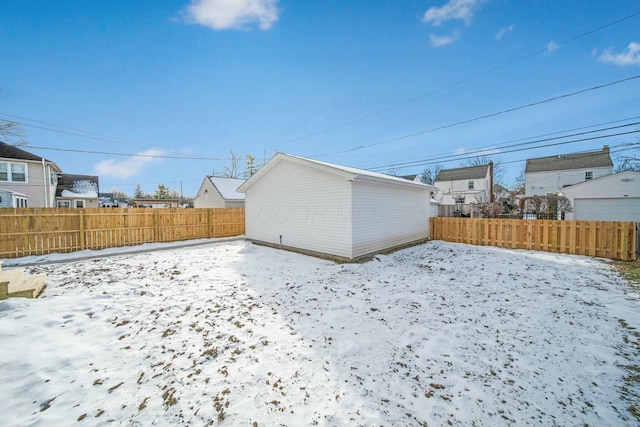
{"points": [[39, 231], [606, 239]]}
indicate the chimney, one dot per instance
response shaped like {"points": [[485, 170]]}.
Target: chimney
{"points": [[491, 196], [605, 148]]}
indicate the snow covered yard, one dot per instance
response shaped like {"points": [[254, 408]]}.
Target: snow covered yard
{"points": [[236, 334]]}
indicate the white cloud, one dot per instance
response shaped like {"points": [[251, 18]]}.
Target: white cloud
{"points": [[128, 167], [460, 151], [629, 56], [552, 46], [233, 14], [438, 41], [452, 10], [503, 31]]}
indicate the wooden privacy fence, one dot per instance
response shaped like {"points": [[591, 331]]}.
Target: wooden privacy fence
{"points": [[606, 239], [38, 231]]}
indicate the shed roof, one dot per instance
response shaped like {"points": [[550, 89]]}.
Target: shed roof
{"points": [[228, 187], [587, 160], [349, 173], [457, 174]]}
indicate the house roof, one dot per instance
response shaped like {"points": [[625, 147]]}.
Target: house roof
{"points": [[8, 151], [349, 173], [588, 160], [413, 177], [471, 172], [227, 187], [77, 186]]}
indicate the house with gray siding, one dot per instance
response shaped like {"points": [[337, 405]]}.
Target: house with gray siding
{"points": [[333, 211]]}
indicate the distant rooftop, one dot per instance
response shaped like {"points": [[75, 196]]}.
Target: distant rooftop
{"points": [[227, 187], [588, 160], [471, 172]]}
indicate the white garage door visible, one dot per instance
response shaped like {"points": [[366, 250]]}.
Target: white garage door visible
{"points": [[627, 209]]}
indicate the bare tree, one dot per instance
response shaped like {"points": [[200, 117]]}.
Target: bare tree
{"points": [[12, 133], [519, 185], [429, 175], [498, 168], [547, 207], [627, 164], [232, 166]]}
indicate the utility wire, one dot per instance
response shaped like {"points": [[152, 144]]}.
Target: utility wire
{"points": [[155, 156], [457, 83], [465, 157], [501, 146], [532, 139], [486, 116]]}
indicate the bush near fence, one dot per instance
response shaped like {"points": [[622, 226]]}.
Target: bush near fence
{"points": [[606, 239], [39, 231]]}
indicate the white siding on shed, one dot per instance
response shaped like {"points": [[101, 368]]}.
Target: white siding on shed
{"points": [[333, 210], [308, 207], [387, 216]]}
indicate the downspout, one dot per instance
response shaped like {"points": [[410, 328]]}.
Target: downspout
{"points": [[44, 182]]}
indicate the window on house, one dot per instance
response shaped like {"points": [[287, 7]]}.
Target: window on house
{"points": [[21, 202], [13, 172], [470, 185], [79, 203], [588, 176], [63, 203]]}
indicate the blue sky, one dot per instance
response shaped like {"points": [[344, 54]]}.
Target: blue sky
{"points": [[363, 83]]}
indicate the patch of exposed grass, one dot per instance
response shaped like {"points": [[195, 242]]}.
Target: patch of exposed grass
{"points": [[630, 270]]}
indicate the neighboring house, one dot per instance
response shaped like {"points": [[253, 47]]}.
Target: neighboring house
{"points": [[12, 199], [465, 186], [550, 175], [219, 192], [77, 191], [333, 211], [613, 197], [154, 203], [31, 179], [107, 200]]}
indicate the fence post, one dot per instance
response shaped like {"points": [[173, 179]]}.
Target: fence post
{"points": [[83, 242]]}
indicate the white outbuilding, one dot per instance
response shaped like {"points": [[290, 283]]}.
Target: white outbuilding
{"points": [[614, 197], [219, 192], [333, 211]]}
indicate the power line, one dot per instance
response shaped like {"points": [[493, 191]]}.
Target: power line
{"points": [[454, 84], [545, 135], [154, 156], [486, 116], [68, 130], [480, 151], [465, 157]]}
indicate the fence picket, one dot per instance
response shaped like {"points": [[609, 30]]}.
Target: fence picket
{"points": [[617, 240], [39, 231]]}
